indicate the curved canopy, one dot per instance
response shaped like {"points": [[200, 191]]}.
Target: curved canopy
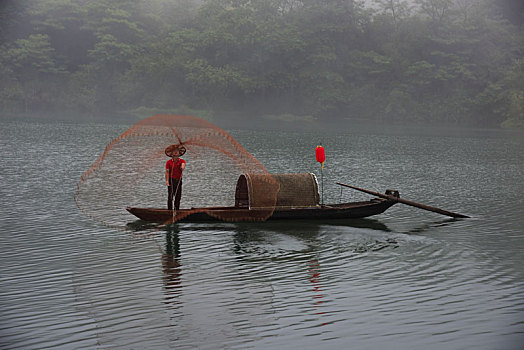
{"points": [[295, 190]]}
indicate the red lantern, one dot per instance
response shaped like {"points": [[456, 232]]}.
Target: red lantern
{"points": [[321, 156]]}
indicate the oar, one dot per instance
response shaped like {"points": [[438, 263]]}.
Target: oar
{"points": [[404, 201]]}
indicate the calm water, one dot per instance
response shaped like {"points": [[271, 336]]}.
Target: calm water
{"points": [[406, 279]]}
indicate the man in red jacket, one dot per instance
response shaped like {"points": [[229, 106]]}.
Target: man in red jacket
{"points": [[174, 168]]}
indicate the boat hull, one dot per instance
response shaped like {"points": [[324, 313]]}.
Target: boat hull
{"points": [[327, 212]]}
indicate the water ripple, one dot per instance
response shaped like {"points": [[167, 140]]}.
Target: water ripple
{"points": [[408, 279]]}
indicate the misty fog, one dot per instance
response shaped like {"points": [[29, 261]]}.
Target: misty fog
{"points": [[419, 62]]}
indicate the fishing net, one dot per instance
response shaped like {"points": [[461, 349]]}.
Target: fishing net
{"points": [[131, 172]]}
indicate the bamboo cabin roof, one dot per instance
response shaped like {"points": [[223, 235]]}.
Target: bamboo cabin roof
{"points": [[291, 190]]}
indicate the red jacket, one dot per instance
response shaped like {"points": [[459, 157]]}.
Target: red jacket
{"points": [[174, 168]]}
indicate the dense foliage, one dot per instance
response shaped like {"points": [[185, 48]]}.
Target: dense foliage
{"points": [[437, 61]]}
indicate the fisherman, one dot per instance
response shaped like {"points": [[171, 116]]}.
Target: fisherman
{"points": [[174, 168]]}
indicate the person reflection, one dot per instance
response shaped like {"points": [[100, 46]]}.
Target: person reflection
{"points": [[171, 263]]}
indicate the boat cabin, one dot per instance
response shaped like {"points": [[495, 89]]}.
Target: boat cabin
{"points": [[277, 190]]}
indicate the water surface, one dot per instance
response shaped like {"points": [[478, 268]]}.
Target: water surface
{"points": [[403, 279]]}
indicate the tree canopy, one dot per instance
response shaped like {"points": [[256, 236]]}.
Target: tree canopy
{"points": [[421, 61]]}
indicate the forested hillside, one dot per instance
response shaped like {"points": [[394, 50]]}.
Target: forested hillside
{"points": [[455, 62]]}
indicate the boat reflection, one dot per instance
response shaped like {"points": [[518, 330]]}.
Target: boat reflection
{"points": [[307, 228], [299, 242], [297, 238], [142, 228], [303, 245]]}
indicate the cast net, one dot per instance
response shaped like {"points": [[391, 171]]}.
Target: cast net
{"points": [[131, 172]]}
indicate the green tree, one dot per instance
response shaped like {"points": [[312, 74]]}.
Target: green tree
{"points": [[33, 72], [446, 61]]}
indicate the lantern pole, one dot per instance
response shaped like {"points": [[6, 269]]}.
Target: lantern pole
{"points": [[322, 181]]}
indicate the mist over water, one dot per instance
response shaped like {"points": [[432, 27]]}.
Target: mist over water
{"points": [[425, 61], [403, 279]]}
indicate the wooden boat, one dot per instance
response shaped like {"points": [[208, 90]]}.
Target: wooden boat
{"points": [[297, 198], [325, 212]]}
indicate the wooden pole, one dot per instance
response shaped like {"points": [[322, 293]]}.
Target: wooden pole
{"points": [[405, 201], [322, 181]]}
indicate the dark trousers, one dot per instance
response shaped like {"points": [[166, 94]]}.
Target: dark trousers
{"points": [[174, 190]]}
